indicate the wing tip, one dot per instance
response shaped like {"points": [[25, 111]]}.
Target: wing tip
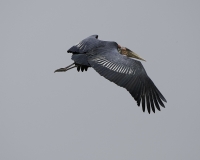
{"points": [[156, 105], [73, 49]]}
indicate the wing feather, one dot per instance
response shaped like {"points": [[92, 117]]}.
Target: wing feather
{"points": [[127, 73]]}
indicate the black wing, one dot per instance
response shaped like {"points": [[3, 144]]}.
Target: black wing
{"points": [[127, 73], [85, 45], [80, 59]]}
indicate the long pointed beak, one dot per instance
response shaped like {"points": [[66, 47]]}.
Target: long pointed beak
{"points": [[134, 55]]}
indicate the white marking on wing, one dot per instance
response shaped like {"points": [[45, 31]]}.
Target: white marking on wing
{"points": [[104, 63], [79, 44], [130, 71], [120, 69], [114, 67], [117, 69], [123, 69], [98, 60], [109, 65]]}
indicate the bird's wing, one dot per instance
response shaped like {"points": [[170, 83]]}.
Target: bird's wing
{"points": [[85, 45], [127, 73]]}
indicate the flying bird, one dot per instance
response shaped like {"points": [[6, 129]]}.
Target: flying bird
{"points": [[117, 64]]}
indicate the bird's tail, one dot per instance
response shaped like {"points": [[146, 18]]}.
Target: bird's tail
{"points": [[73, 65]]}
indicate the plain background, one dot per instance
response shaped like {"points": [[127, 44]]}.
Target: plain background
{"points": [[73, 116]]}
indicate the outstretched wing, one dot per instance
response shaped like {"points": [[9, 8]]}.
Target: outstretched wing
{"points": [[85, 45], [127, 73]]}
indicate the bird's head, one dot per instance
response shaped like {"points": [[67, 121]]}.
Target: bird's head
{"points": [[129, 53]]}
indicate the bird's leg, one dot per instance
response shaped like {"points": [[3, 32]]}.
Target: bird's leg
{"points": [[66, 68]]}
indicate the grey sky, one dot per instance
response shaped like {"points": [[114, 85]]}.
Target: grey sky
{"points": [[82, 115]]}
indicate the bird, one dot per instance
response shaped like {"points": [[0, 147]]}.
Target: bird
{"points": [[119, 65]]}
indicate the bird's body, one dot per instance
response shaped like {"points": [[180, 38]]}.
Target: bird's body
{"points": [[115, 63]]}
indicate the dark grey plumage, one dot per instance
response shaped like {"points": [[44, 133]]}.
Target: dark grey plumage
{"points": [[113, 62], [85, 45]]}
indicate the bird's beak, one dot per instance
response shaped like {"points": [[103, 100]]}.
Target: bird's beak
{"points": [[134, 55], [131, 54]]}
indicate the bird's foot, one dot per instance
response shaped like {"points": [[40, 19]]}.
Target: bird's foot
{"points": [[66, 68], [61, 70]]}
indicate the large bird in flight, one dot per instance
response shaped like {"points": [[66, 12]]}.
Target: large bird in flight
{"points": [[116, 64]]}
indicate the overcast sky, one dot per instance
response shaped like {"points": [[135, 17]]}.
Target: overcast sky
{"points": [[83, 116]]}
